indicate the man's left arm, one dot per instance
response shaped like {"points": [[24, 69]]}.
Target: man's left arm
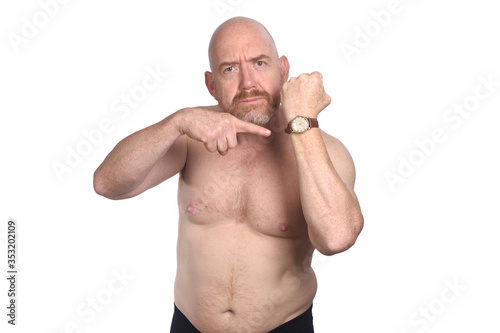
{"points": [[326, 171]]}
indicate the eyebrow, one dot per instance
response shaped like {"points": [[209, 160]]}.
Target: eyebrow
{"points": [[226, 64]]}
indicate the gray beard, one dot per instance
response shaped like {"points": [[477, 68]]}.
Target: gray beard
{"points": [[258, 118]]}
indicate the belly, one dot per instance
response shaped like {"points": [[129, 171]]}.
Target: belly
{"points": [[231, 277]]}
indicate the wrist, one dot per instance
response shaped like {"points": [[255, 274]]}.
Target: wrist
{"points": [[301, 124], [176, 121], [291, 114]]}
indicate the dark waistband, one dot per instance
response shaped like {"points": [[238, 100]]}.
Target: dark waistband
{"points": [[300, 324], [180, 323]]}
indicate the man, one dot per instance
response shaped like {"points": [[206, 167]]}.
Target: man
{"points": [[254, 200]]}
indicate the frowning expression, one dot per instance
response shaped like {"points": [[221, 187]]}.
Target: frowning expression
{"points": [[246, 75]]}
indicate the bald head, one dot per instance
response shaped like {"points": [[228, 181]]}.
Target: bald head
{"points": [[238, 30], [247, 73]]}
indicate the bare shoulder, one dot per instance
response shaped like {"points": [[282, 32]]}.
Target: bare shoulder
{"points": [[341, 159]]}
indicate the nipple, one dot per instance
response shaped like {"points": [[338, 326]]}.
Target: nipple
{"points": [[283, 227], [190, 209]]}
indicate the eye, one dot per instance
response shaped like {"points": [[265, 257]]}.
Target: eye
{"points": [[260, 63], [229, 69]]}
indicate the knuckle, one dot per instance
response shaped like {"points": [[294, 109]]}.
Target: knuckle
{"points": [[317, 77], [318, 74], [328, 100], [211, 136]]}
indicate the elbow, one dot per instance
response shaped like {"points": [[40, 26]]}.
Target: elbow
{"points": [[337, 246], [110, 189], [100, 186], [343, 241]]}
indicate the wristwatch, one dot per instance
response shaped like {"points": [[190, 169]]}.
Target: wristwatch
{"points": [[301, 124]]}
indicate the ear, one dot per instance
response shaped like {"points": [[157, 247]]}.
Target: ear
{"points": [[210, 83], [285, 68]]}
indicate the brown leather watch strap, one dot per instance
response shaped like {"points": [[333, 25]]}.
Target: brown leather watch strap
{"points": [[313, 122]]}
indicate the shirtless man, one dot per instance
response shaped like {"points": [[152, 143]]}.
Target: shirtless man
{"points": [[254, 200]]}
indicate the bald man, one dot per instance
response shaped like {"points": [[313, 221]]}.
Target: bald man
{"points": [[260, 187]]}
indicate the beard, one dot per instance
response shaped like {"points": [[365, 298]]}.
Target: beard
{"points": [[259, 113]]}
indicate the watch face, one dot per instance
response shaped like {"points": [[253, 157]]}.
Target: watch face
{"points": [[300, 124]]}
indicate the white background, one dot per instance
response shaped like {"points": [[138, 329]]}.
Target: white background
{"points": [[441, 224]]}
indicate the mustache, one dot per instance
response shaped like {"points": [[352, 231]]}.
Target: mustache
{"points": [[254, 93]]}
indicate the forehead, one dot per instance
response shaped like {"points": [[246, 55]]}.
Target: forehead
{"points": [[234, 43]]}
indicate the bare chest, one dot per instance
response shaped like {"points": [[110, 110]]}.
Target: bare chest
{"points": [[257, 188]]}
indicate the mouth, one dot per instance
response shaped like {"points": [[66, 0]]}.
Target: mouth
{"points": [[251, 100]]}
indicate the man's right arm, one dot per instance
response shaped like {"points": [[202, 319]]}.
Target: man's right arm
{"points": [[142, 160], [158, 152]]}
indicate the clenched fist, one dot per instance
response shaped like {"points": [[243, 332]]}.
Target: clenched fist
{"points": [[304, 96]]}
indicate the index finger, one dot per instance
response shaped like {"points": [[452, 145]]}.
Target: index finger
{"points": [[242, 126]]}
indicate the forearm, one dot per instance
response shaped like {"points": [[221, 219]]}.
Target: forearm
{"points": [[133, 158], [331, 211]]}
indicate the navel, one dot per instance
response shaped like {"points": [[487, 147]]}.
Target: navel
{"points": [[229, 312], [283, 227]]}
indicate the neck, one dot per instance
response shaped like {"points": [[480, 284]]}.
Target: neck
{"points": [[277, 123]]}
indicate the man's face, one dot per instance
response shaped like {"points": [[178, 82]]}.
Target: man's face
{"points": [[247, 76]]}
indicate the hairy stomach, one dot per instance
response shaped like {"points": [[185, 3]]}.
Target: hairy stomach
{"points": [[230, 278]]}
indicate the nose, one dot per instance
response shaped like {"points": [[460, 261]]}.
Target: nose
{"points": [[247, 80]]}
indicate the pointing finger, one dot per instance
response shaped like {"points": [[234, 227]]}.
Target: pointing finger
{"points": [[242, 126]]}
